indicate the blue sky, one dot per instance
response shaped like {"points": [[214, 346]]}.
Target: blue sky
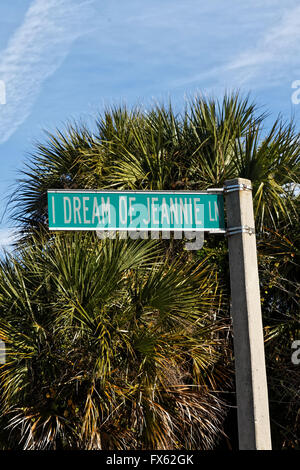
{"points": [[68, 59]]}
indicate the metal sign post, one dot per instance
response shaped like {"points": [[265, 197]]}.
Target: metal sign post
{"points": [[250, 369]]}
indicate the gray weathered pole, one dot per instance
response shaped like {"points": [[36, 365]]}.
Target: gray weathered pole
{"points": [[251, 381]]}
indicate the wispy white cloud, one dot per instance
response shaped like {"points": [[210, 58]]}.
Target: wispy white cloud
{"points": [[278, 49], [35, 51], [7, 237], [266, 63]]}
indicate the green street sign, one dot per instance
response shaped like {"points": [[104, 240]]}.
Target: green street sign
{"points": [[136, 210], [193, 211]]}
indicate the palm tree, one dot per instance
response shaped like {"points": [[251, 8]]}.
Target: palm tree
{"points": [[110, 345], [279, 273], [199, 149], [209, 142]]}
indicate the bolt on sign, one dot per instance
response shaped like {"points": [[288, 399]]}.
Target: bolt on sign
{"points": [[136, 210]]}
